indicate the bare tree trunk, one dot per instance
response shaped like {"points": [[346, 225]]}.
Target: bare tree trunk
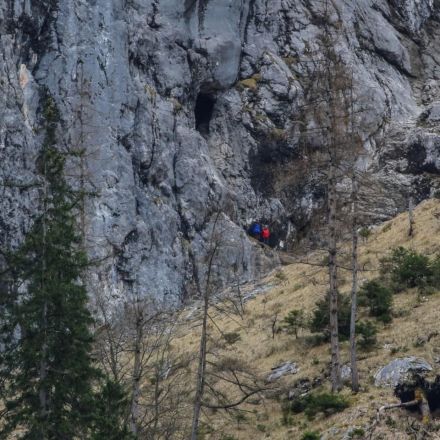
{"points": [[159, 376], [43, 367], [354, 287], [333, 293], [42, 393], [411, 216], [156, 403], [330, 95], [200, 372], [137, 371], [109, 355], [274, 325]]}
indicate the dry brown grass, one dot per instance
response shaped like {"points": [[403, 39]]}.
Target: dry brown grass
{"points": [[300, 288]]}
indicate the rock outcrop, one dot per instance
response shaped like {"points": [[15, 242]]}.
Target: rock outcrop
{"points": [[284, 369], [187, 108], [401, 370]]}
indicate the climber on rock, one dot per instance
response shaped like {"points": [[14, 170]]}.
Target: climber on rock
{"points": [[265, 235], [255, 230]]}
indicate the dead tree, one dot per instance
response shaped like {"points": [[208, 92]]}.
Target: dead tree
{"points": [[354, 285], [411, 216], [222, 382], [329, 84], [354, 250], [333, 147], [124, 348], [134, 348], [206, 297]]}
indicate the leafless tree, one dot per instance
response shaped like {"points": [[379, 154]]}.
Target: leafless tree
{"points": [[411, 216], [328, 89], [206, 293], [222, 382], [354, 285], [332, 148], [134, 348]]}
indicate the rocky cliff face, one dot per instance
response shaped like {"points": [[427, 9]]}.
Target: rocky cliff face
{"points": [[187, 108]]}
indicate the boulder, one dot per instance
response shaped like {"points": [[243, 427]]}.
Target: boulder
{"points": [[303, 387], [282, 370], [400, 370], [346, 373], [433, 114]]}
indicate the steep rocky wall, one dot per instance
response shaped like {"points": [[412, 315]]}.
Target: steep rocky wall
{"points": [[187, 108]]}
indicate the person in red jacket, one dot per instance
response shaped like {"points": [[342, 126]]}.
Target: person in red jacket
{"points": [[265, 235]]}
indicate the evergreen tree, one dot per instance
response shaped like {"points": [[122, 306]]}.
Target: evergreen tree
{"points": [[110, 413], [46, 368]]}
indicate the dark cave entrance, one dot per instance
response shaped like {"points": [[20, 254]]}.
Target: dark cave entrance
{"points": [[203, 112], [406, 393]]}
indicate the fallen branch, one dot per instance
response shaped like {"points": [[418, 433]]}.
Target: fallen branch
{"points": [[396, 405], [420, 401]]}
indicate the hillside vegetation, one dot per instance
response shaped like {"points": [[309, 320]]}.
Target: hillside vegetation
{"points": [[300, 286], [151, 357]]}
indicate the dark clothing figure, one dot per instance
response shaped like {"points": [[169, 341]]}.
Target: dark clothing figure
{"points": [[255, 230], [265, 235]]}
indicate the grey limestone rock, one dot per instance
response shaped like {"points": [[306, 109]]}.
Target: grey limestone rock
{"points": [[414, 12], [346, 373], [187, 108], [399, 370], [282, 370]]}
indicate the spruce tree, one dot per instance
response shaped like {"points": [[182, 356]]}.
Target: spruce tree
{"points": [[46, 368], [110, 413]]}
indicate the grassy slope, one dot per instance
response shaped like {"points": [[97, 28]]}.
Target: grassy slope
{"points": [[299, 286]]}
